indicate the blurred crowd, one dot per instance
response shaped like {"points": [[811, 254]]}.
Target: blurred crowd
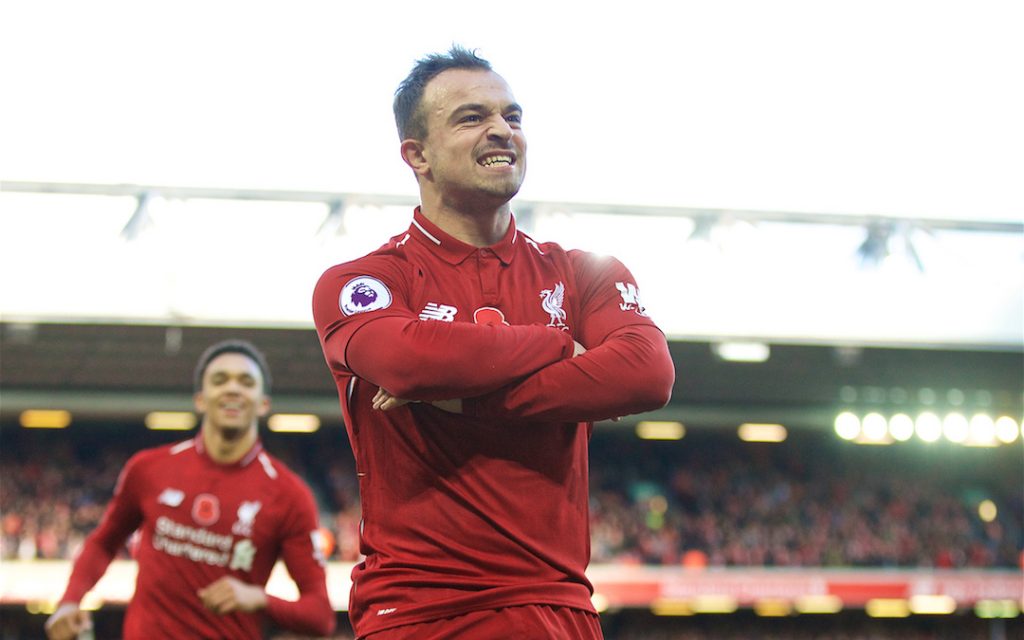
{"points": [[708, 500]]}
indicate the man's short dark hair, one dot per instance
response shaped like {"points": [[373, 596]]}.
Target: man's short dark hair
{"points": [[243, 347], [408, 115]]}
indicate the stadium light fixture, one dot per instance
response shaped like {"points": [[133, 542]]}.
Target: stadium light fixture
{"points": [[955, 427], [714, 603], [932, 604], [901, 427], [1007, 429], [45, 419], [660, 430], [170, 420], [887, 608], [847, 425], [981, 431], [293, 423], [818, 604], [762, 432], [989, 609], [928, 426], [672, 607], [874, 427], [742, 351], [772, 608], [987, 510]]}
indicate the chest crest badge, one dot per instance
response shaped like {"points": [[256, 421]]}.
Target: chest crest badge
{"points": [[246, 515], [551, 300]]}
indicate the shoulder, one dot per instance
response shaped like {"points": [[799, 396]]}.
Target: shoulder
{"points": [[155, 455], [386, 265], [276, 470]]}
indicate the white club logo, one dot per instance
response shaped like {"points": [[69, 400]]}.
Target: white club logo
{"points": [[630, 298], [552, 301], [246, 514]]}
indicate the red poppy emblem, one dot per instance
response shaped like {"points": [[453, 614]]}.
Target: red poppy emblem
{"points": [[489, 315], [206, 509]]}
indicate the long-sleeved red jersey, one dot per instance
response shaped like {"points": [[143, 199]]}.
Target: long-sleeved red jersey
{"points": [[200, 520], [488, 508]]}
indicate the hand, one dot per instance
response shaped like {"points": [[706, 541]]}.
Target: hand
{"points": [[228, 595], [67, 622], [385, 401]]}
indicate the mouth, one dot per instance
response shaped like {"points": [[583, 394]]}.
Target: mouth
{"points": [[232, 407], [497, 159]]}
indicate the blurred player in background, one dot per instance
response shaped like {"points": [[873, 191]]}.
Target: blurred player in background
{"points": [[214, 513], [470, 361]]}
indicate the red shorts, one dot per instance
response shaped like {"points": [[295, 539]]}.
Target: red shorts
{"points": [[527, 622]]}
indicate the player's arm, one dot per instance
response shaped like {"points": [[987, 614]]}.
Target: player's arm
{"points": [[626, 368], [302, 553], [630, 372], [425, 359], [122, 517]]}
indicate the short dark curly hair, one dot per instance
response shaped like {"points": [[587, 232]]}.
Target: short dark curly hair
{"points": [[408, 115], [243, 347]]}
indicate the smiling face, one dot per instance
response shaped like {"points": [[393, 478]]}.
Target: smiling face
{"points": [[474, 152], [232, 399]]}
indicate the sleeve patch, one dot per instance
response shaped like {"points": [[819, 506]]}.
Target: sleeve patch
{"points": [[362, 294]]}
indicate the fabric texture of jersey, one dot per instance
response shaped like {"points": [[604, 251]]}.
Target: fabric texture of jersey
{"points": [[488, 508], [198, 521]]}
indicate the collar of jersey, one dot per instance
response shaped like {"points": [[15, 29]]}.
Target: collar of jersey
{"points": [[454, 250], [244, 461]]}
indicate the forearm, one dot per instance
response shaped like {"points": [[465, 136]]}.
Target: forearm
{"points": [[631, 372], [419, 360], [311, 613], [89, 567]]}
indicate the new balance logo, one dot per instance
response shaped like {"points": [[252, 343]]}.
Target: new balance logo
{"points": [[171, 497], [434, 311]]}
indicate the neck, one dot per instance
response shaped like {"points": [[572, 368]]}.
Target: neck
{"points": [[227, 446], [476, 226]]}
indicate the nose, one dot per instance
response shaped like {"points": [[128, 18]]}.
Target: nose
{"points": [[499, 129]]}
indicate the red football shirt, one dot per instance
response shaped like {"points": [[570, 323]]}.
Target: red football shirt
{"points": [[488, 508], [200, 520]]}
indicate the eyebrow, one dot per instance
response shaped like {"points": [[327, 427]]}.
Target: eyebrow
{"points": [[477, 107]]}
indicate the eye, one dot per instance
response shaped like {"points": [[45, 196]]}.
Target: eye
{"points": [[248, 381], [515, 118], [471, 118], [218, 378]]}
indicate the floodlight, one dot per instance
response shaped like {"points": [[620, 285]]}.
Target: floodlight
{"points": [[982, 430], [874, 427], [901, 427], [928, 426], [1007, 429], [955, 427], [847, 425]]}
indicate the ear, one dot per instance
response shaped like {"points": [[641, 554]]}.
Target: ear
{"points": [[414, 155], [264, 407], [199, 401]]}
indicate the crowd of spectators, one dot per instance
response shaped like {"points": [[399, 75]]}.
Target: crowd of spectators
{"points": [[708, 500]]}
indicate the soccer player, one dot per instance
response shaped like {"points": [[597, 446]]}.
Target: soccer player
{"points": [[471, 361], [214, 513]]}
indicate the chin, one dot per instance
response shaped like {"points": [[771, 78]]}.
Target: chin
{"points": [[231, 432]]}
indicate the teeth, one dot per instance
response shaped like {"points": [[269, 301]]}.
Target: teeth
{"points": [[490, 161]]}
